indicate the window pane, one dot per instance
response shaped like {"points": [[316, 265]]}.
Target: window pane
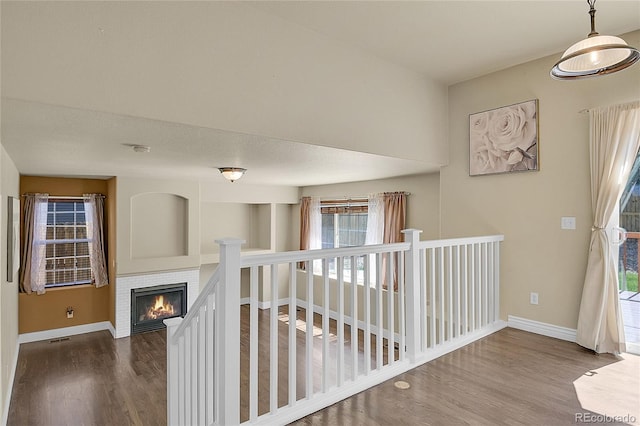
{"points": [[81, 232], [64, 218], [84, 275], [67, 263], [83, 262], [82, 249], [62, 206], [328, 230], [64, 232]]}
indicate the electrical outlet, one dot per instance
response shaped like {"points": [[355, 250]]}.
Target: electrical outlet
{"points": [[568, 222], [69, 312], [533, 298]]}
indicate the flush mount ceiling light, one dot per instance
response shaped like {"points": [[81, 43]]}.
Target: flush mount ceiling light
{"points": [[595, 55], [232, 173]]}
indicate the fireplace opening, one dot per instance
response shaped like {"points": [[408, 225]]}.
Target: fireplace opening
{"points": [[151, 305]]}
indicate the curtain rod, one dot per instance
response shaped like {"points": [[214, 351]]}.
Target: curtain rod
{"points": [[67, 197], [359, 197]]}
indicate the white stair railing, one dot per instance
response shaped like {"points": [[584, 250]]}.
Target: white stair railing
{"points": [[313, 336]]}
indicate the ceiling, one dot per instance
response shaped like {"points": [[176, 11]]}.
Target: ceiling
{"points": [[447, 41]]}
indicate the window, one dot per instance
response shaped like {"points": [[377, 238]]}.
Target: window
{"points": [[344, 224], [67, 245]]}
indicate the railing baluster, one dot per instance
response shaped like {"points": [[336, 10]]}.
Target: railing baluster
{"points": [[202, 395], [353, 311], [441, 294], [449, 293], [390, 321], [309, 333], [293, 319], [432, 301], [209, 368], [181, 381], [253, 343], [273, 344], [485, 283], [194, 372], [465, 289], [367, 314], [472, 287], [379, 316], [340, 322], [188, 376], [457, 304], [325, 326], [401, 308], [490, 281], [424, 307], [496, 283]]}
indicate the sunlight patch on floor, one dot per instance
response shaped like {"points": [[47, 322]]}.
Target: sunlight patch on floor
{"points": [[302, 325], [613, 390]]}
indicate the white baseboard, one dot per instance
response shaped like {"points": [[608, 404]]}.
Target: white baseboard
{"points": [[550, 330], [66, 331]]}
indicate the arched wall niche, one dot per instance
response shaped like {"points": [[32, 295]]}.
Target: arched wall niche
{"points": [[159, 225]]}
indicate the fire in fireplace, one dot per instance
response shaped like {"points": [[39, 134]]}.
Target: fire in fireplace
{"points": [[151, 305]]}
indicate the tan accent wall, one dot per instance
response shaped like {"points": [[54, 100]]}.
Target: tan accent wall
{"points": [[90, 304]]}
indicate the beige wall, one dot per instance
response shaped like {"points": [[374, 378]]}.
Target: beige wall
{"points": [[9, 186], [147, 249], [537, 255]]}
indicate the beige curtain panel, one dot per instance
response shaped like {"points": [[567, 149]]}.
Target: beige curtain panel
{"points": [[395, 213], [94, 211], [32, 257], [614, 142]]}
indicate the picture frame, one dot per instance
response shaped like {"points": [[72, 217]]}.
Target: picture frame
{"points": [[504, 140], [13, 238]]}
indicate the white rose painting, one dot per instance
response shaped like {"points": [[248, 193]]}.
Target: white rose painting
{"points": [[504, 139]]}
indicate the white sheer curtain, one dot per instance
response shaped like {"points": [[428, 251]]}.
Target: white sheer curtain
{"points": [[315, 224], [614, 143], [375, 219], [315, 231], [94, 213], [39, 243]]}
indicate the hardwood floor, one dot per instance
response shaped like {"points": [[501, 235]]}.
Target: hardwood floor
{"points": [[511, 377]]}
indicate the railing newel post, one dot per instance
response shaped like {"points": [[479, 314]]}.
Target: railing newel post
{"points": [[412, 310], [227, 332]]}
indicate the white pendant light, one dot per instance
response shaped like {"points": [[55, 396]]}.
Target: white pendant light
{"points": [[232, 173], [595, 55]]}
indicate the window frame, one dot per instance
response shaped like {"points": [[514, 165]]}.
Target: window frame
{"points": [[52, 243]]}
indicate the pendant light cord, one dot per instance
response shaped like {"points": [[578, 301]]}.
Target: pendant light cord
{"points": [[592, 12]]}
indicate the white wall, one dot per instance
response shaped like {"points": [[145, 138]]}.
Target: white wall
{"points": [[222, 65], [9, 186], [537, 255]]}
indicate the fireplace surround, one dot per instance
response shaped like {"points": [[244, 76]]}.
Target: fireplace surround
{"points": [[125, 283], [151, 305]]}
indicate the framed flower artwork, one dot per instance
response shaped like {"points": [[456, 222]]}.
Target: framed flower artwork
{"points": [[504, 140]]}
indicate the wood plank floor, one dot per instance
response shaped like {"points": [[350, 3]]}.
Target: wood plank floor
{"points": [[511, 377]]}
